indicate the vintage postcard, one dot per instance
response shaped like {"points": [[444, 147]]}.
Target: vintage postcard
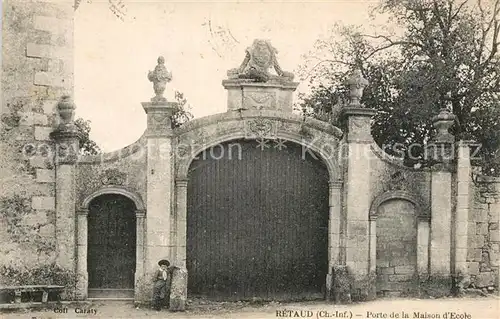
{"points": [[250, 159]]}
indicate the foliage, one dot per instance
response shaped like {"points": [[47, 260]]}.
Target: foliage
{"points": [[15, 210], [182, 112], [444, 54], [50, 274], [87, 146], [12, 119]]}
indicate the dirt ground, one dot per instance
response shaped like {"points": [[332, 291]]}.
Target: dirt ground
{"points": [[449, 308]]}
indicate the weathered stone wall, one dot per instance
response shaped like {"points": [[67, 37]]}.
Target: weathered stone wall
{"points": [[388, 174], [37, 69], [484, 236], [400, 210], [396, 248], [123, 168]]}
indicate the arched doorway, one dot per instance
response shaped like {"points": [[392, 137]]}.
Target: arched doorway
{"points": [[111, 254], [396, 241], [257, 222]]}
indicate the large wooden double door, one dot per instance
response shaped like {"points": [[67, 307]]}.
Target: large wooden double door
{"points": [[257, 222], [111, 255]]}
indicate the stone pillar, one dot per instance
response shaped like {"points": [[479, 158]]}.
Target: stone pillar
{"points": [[66, 138], [441, 196], [356, 122], [81, 251], [373, 245], [334, 226], [160, 182], [140, 250], [423, 233], [178, 294], [160, 169], [463, 200]]}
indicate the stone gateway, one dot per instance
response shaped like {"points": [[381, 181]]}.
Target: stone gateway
{"points": [[254, 203]]}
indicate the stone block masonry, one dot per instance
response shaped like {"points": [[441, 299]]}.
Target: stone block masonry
{"points": [[483, 251], [37, 69]]}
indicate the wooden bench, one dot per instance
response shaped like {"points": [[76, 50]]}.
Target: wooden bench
{"points": [[44, 289]]}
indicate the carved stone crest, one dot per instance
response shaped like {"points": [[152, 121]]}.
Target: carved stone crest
{"points": [[113, 176], [259, 58], [397, 181], [259, 100], [259, 128]]}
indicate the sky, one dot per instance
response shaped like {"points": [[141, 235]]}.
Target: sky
{"points": [[200, 42]]}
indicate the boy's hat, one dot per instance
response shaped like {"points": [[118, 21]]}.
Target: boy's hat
{"points": [[163, 262]]}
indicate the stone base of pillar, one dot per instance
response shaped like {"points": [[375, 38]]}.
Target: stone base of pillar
{"points": [[436, 286], [364, 289], [144, 289], [81, 287], [178, 291], [341, 285], [329, 286]]}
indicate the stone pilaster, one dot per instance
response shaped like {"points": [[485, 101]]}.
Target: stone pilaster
{"points": [[160, 182], [140, 250], [334, 227], [463, 202], [81, 251], [181, 220]]}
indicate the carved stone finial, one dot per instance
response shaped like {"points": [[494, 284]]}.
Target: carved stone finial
{"points": [[443, 122], [357, 84], [160, 76], [259, 58], [66, 110]]}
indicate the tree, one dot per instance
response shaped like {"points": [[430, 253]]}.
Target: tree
{"points": [[87, 146], [182, 112], [443, 54]]}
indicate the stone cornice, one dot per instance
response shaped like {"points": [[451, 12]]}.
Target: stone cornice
{"points": [[159, 107], [62, 134], [236, 83], [129, 150], [349, 111], [249, 114]]}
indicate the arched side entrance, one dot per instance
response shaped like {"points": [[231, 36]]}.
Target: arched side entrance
{"points": [[396, 263], [257, 222], [111, 254], [110, 245], [400, 230]]}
